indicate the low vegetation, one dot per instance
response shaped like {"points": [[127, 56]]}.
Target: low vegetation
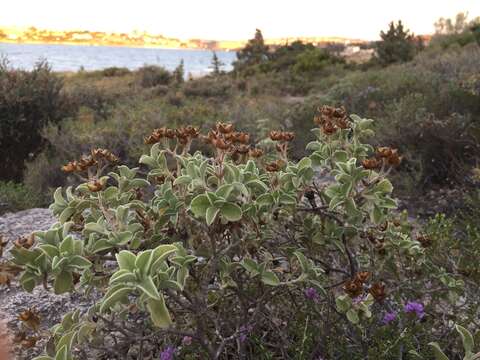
{"points": [[249, 254], [215, 237]]}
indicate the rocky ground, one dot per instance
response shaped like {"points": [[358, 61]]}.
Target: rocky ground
{"points": [[14, 299]]}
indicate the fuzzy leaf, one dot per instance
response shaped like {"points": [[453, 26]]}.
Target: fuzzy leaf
{"points": [[159, 312], [126, 260], [231, 212], [199, 205], [63, 282], [439, 354]]}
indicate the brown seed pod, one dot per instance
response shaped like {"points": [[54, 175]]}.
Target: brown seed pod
{"points": [[224, 128], [256, 153], [288, 136], [70, 167], [371, 164], [394, 159], [242, 149], [241, 137], [362, 276], [170, 133], [329, 128], [26, 242], [221, 144], [353, 288], [95, 186], [276, 135], [378, 291], [384, 152], [273, 166], [343, 123], [425, 240], [30, 318], [193, 132]]}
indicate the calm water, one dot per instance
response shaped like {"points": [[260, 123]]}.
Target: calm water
{"points": [[73, 57]]}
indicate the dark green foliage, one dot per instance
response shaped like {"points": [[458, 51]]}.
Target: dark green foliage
{"points": [[152, 75], [179, 73], [216, 65], [207, 87], [16, 197], [314, 60], [476, 32], [284, 57], [397, 45], [115, 71], [254, 53], [29, 100]]}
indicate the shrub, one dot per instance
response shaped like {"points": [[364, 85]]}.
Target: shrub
{"points": [[16, 197], [28, 101], [244, 254], [207, 87], [152, 75], [115, 71], [397, 45], [314, 60]]}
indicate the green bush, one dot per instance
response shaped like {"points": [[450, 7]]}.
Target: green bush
{"points": [[240, 255], [313, 60], [207, 87], [115, 71], [29, 100], [151, 75], [16, 197]]}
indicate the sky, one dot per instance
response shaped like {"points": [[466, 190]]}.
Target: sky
{"points": [[234, 19]]}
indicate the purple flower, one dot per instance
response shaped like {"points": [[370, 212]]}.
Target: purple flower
{"points": [[244, 330], [168, 353], [389, 317], [414, 307], [312, 294], [358, 299], [187, 340]]}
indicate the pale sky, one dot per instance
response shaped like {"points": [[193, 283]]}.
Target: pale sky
{"points": [[232, 20]]}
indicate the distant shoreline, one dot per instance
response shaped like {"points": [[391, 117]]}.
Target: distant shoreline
{"points": [[6, 41]]}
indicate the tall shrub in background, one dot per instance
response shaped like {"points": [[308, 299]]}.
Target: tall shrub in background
{"points": [[397, 45], [28, 101], [254, 53]]}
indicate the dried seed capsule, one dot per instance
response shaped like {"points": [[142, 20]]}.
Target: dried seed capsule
{"points": [[371, 164], [288, 136], [224, 128], [384, 151], [353, 288], [378, 292], [276, 135], [362, 276], [256, 152]]}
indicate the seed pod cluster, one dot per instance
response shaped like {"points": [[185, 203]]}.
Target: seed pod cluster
{"points": [[30, 318], [274, 166], [383, 156], [184, 135], [88, 161], [224, 138], [354, 287], [277, 135], [425, 240], [331, 119], [378, 291], [25, 242]]}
